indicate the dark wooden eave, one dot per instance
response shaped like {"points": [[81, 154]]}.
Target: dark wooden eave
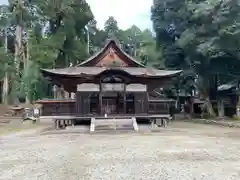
{"points": [[95, 71]]}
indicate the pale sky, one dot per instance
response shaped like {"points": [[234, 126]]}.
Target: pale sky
{"points": [[126, 12]]}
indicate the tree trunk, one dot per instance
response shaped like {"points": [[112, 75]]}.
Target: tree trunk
{"points": [[26, 68], [135, 50], [55, 91], [5, 87], [191, 103], [18, 48], [17, 59], [209, 108], [204, 92], [88, 42]]}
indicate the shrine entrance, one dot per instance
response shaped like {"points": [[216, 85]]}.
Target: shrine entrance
{"points": [[113, 103], [112, 95], [110, 103]]}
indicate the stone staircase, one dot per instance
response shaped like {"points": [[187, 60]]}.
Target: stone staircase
{"points": [[114, 123]]}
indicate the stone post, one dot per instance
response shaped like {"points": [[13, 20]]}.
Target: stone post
{"points": [[73, 95], [238, 104], [220, 105], [238, 111], [238, 100], [66, 95]]}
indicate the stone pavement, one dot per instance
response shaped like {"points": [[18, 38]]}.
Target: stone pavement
{"points": [[184, 151]]}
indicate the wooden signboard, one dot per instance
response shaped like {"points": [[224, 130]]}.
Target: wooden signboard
{"points": [[117, 87]]}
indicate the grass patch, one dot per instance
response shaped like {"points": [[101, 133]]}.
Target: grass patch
{"points": [[236, 118], [14, 128]]}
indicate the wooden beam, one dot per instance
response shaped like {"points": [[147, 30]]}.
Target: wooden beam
{"points": [[124, 100]]}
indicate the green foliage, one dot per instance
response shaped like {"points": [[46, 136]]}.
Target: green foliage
{"points": [[67, 20], [201, 37], [7, 62], [5, 16], [54, 36], [111, 27], [137, 43], [44, 51]]}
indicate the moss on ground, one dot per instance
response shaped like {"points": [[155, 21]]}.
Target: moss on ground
{"points": [[236, 118], [8, 128]]}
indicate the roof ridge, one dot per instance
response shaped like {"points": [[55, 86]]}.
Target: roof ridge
{"points": [[130, 57], [93, 56]]}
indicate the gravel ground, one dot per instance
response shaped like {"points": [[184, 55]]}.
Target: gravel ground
{"points": [[183, 151]]}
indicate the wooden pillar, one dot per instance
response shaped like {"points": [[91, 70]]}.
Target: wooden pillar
{"points": [[58, 124], [124, 100], [146, 104], [117, 104], [100, 103], [55, 124], [100, 100], [124, 103], [136, 109]]}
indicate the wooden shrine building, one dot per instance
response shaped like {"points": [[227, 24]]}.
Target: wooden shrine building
{"points": [[109, 83]]}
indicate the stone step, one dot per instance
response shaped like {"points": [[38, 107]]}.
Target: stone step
{"points": [[114, 128], [112, 123]]}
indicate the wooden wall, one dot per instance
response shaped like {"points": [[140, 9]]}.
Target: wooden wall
{"points": [[57, 108]]}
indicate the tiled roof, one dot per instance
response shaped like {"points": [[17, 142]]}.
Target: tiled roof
{"points": [[134, 71]]}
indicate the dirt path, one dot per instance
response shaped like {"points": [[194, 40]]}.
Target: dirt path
{"points": [[184, 151]]}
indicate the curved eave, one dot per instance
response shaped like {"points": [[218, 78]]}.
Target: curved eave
{"points": [[67, 74]]}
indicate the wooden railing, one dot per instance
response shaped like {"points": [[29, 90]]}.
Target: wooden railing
{"points": [[160, 106], [57, 107], [68, 107]]}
